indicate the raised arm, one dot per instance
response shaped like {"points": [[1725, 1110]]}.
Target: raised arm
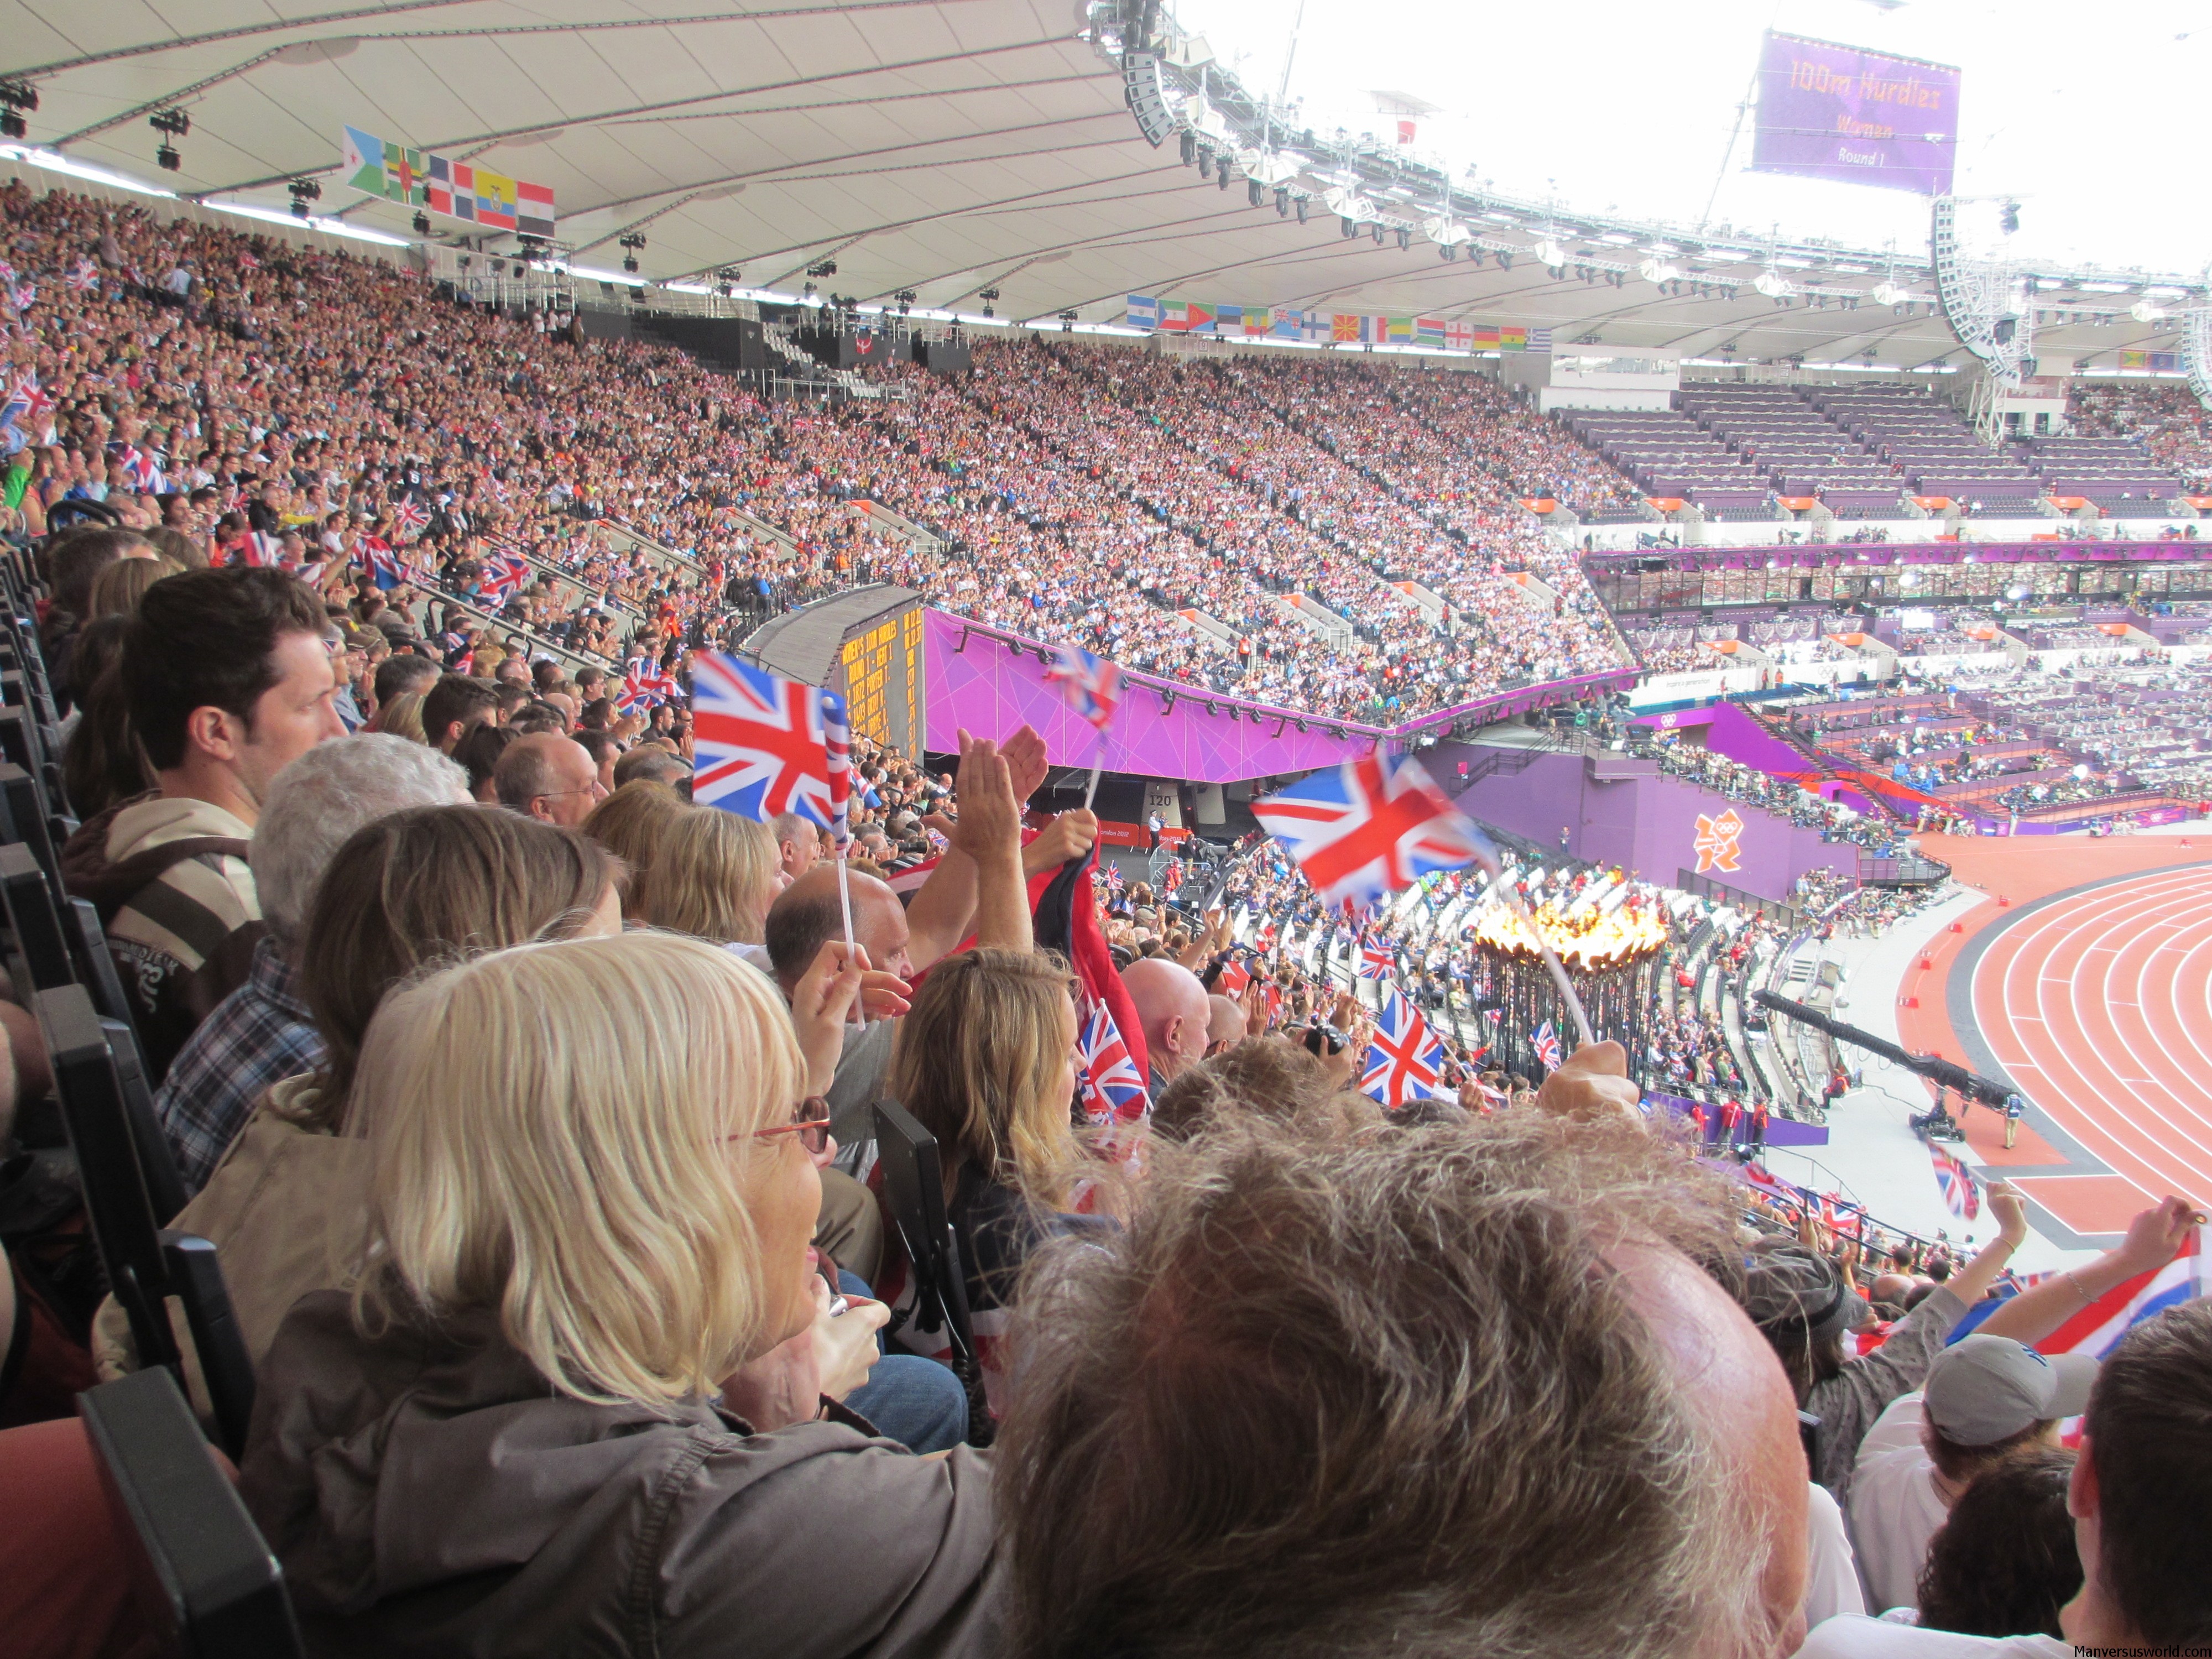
{"points": [[2154, 1237]]}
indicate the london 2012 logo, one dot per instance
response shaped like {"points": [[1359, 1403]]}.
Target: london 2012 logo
{"points": [[1718, 841]]}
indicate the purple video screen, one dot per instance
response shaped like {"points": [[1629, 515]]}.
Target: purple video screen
{"points": [[1827, 110]]}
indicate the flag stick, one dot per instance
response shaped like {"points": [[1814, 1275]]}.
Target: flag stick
{"points": [[1503, 889], [845, 904], [1098, 765]]}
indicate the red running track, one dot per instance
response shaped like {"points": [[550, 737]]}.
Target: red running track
{"points": [[2098, 1006]]}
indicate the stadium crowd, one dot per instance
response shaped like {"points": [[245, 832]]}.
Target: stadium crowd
{"points": [[530, 1106]]}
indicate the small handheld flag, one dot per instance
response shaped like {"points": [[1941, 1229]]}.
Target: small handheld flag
{"points": [[1956, 1182], [761, 741], [503, 577], [1546, 1041], [1092, 685], [1370, 828], [1406, 1059], [1375, 962], [1110, 1088]]}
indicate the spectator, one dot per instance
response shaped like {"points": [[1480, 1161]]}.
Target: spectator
{"points": [[478, 754], [402, 717], [2003, 1562], [1984, 1398], [2138, 1494], [654, 764], [605, 752], [798, 842], [454, 707], [405, 892], [515, 1370], [550, 777], [986, 1063], [263, 1032], [118, 588], [630, 823], [398, 676], [226, 682], [1267, 1077], [1804, 1302], [713, 877], [1172, 1007], [1538, 1436]]}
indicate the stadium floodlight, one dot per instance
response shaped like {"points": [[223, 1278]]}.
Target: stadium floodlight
{"points": [[302, 191], [1656, 271], [421, 224], [1348, 204], [1446, 231], [1189, 146], [1889, 294], [1549, 252], [2146, 310], [16, 97], [1301, 204], [1773, 284]]}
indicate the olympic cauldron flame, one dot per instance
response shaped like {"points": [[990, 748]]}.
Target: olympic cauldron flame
{"points": [[1585, 939]]}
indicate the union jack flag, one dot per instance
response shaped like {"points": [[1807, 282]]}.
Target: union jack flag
{"points": [[760, 740], [1370, 828], [83, 276], [1092, 685], [503, 576], [1956, 1182], [1108, 1084], [2098, 1327], [382, 564], [1233, 978], [1114, 882], [837, 749], [645, 682], [262, 551], [142, 467], [1547, 1045], [1406, 1059], [411, 517], [1377, 961]]}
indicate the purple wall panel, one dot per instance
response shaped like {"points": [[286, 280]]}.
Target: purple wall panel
{"points": [[1641, 819], [1731, 733], [991, 692]]}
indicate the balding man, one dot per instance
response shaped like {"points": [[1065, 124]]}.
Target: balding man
{"points": [[1224, 1026], [548, 777], [798, 842], [1173, 1012]]}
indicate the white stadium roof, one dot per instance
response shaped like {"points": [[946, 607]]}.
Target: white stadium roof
{"points": [[948, 147]]}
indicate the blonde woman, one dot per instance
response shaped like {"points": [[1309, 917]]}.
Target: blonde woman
{"points": [[630, 823], [713, 876], [986, 1062], [578, 1402]]}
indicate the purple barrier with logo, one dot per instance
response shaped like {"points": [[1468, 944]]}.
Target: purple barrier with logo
{"points": [[1731, 733], [1780, 1131], [1830, 556], [1617, 810], [991, 681]]}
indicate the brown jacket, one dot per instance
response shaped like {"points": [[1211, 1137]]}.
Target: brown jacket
{"points": [[430, 1493]]}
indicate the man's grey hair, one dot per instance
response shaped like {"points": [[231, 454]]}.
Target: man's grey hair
{"points": [[321, 799], [1375, 1392], [790, 826]]}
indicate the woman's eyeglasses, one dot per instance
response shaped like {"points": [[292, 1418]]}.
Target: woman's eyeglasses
{"points": [[811, 1123]]}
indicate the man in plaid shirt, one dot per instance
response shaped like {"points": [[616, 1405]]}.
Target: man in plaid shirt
{"points": [[263, 1032]]}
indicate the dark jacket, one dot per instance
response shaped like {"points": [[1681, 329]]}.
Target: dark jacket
{"points": [[430, 1493]]}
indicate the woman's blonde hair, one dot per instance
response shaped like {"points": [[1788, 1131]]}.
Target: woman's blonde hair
{"points": [[402, 717], [979, 1063], [630, 823], [561, 1133], [711, 876], [118, 588]]}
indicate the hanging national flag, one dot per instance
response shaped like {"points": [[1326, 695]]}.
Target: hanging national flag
{"points": [[1956, 1182], [761, 745], [1377, 961], [1371, 827], [1546, 1041], [1111, 1088], [411, 517], [1092, 685], [1142, 311], [504, 575], [1406, 1059]]}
